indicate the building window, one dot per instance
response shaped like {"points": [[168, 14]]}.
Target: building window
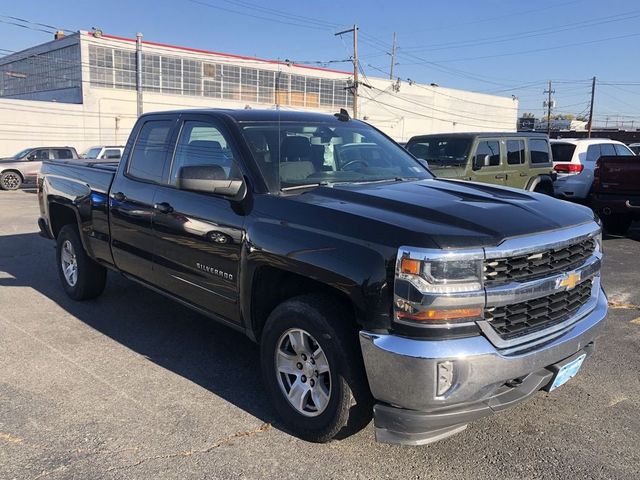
{"points": [[249, 84], [230, 82], [282, 88], [297, 90], [326, 92], [212, 80], [340, 93], [266, 86], [101, 66], [312, 94], [124, 69], [171, 73], [191, 77], [151, 72]]}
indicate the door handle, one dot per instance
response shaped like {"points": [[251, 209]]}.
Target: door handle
{"points": [[523, 174], [119, 196], [163, 207], [500, 176]]}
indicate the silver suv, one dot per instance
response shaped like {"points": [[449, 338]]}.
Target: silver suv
{"points": [[575, 159], [24, 166]]}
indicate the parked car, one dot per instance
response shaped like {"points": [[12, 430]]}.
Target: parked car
{"points": [[574, 160], [520, 160], [615, 193], [635, 148], [24, 166], [364, 279], [103, 153]]}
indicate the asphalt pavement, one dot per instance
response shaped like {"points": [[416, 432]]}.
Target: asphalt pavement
{"points": [[132, 385]]}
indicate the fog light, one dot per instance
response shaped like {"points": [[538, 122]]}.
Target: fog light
{"points": [[445, 377]]}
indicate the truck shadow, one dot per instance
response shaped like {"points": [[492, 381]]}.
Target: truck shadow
{"points": [[633, 233], [217, 358]]}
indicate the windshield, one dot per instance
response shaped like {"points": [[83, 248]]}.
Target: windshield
{"points": [[562, 152], [22, 153], [91, 152], [442, 151], [293, 154]]}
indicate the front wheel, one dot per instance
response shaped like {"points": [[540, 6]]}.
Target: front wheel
{"points": [[82, 278], [313, 369], [10, 181]]}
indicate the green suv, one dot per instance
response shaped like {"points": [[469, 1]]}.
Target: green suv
{"points": [[519, 160]]}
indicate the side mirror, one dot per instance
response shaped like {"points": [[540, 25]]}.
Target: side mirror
{"points": [[424, 163], [209, 179], [480, 162], [31, 157]]}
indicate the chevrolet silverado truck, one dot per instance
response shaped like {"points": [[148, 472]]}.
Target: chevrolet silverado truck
{"points": [[372, 287], [615, 192]]}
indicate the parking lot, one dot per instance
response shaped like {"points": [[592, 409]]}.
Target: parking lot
{"points": [[132, 385]]}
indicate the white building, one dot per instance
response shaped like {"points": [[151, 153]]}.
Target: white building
{"points": [[80, 91]]}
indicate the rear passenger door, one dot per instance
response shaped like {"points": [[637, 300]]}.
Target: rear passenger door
{"points": [[487, 162], [516, 168], [198, 236], [132, 194]]}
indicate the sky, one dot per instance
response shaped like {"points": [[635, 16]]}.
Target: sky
{"points": [[492, 46]]}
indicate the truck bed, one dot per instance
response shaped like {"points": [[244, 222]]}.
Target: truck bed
{"points": [[96, 174], [618, 175]]}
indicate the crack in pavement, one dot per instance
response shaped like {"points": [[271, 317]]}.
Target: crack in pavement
{"points": [[623, 306], [188, 453]]}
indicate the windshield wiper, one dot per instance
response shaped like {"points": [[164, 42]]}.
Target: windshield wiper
{"points": [[307, 185]]}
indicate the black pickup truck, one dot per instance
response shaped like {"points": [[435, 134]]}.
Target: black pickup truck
{"points": [[371, 286]]}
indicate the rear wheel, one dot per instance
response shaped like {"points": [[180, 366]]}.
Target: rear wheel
{"points": [[82, 278], [10, 180], [313, 369], [616, 224]]}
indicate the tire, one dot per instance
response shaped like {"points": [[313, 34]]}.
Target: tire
{"points": [[616, 224], [81, 277], [10, 180], [346, 405], [545, 188]]}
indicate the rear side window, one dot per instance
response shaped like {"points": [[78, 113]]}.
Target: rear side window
{"points": [[150, 150], [562, 152], [539, 150], [607, 149], [62, 153], [622, 150], [419, 149], [490, 148], [593, 153], [112, 153], [515, 152]]}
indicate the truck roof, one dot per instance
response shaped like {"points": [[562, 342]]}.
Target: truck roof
{"points": [[482, 134], [257, 115]]}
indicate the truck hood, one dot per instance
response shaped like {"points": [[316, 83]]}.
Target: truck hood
{"points": [[10, 161], [437, 213]]}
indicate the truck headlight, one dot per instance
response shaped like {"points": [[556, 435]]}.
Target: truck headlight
{"points": [[442, 276]]}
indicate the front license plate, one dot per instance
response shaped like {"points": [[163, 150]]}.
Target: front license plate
{"points": [[567, 372]]}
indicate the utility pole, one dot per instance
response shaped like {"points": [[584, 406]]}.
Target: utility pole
{"points": [[393, 56], [549, 91], [139, 73], [593, 94], [354, 90]]}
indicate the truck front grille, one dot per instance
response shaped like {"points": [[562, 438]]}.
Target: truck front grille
{"points": [[537, 265], [518, 319]]}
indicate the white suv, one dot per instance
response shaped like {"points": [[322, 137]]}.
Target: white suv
{"points": [[575, 159]]}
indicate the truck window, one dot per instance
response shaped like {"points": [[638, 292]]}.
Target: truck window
{"points": [[150, 151], [488, 147], [202, 143], [42, 154], [112, 153], [539, 150], [62, 153], [515, 152]]}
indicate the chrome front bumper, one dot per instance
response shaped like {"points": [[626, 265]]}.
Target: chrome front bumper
{"points": [[402, 375]]}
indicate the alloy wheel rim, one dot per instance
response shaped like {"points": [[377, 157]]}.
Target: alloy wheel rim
{"points": [[11, 181], [303, 372], [69, 263]]}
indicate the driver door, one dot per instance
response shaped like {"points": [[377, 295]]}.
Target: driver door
{"points": [[487, 162]]}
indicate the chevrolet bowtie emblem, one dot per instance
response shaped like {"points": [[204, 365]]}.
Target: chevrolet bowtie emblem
{"points": [[569, 281]]}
